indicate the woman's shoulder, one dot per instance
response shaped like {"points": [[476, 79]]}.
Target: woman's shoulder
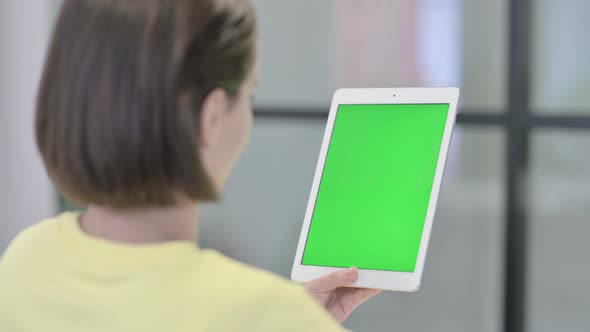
{"points": [[31, 237], [224, 272], [285, 305]]}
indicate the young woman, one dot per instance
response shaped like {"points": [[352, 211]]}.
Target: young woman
{"points": [[143, 109]]}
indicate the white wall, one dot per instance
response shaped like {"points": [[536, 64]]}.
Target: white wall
{"points": [[26, 195]]}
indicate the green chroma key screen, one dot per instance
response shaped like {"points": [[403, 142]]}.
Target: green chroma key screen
{"points": [[375, 187]]}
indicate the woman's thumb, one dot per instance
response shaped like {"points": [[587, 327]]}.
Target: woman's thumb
{"points": [[332, 281]]}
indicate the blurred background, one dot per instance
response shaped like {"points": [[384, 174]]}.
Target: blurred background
{"points": [[509, 248]]}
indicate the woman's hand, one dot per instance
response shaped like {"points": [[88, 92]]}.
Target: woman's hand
{"points": [[340, 301]]}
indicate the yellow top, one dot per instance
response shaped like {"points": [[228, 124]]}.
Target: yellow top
{"points": [[54, 277]]}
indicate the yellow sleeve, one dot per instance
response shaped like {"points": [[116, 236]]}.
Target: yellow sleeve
{"points": [[290, 308]]}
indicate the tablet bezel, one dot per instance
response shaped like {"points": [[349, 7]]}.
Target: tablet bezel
{"points": [[387, 280]]}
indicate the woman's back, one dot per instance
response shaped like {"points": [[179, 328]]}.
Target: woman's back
{"points": [[56, 278], [143, 109]]}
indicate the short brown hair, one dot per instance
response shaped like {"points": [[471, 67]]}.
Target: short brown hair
{"points": [[118, 106]]}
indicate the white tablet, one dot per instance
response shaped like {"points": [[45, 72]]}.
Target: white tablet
{"points": [[376, 186]]}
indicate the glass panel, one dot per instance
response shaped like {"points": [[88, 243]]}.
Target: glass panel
{"points": [[260, 217], [485, 40], [561, 65], [378, 43], [559, 277]]}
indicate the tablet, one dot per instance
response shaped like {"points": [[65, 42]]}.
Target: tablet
{"points": [[376, 186]]}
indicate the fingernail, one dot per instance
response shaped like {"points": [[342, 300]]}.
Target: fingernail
{"points": [[350, 272]]}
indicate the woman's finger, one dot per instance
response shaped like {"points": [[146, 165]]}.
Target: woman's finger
{"points": [[332, 281], [357, 296]]}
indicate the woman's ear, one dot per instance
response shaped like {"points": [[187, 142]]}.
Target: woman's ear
{"points": [[213, 109]]}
